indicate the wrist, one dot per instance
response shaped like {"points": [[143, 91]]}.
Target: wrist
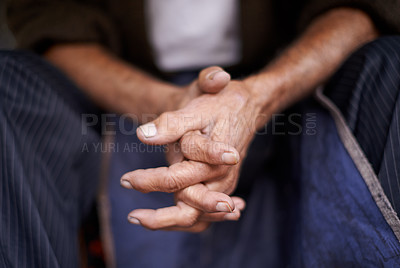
{"points": [[157, 97], [267, 94]]}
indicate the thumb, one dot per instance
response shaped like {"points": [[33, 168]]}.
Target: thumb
{"points": [[213, 79], [169, 127]]}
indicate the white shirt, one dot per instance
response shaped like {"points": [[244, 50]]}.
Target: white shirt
{"points": [[193, 34]]}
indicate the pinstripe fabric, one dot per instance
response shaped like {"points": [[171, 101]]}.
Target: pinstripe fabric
{"points": [[366, 89], [47, 182]]}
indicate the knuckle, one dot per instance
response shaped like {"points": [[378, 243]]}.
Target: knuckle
{"points": [[163, 117], [239, 97], [189, 220], [170, 121], [187, 173], [165, 121], [195, 149], [187, 193], [198, 198], [171, 184], [187, 144]]}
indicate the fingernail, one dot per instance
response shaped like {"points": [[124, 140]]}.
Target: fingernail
{"points": [[149, 130], [126, 184], [223, 207], [231, 217], [211, 75], [229, 158], [133, 220]]}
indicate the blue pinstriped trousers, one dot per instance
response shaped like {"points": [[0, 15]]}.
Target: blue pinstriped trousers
{"points": [[366, 90], [47, 182]]}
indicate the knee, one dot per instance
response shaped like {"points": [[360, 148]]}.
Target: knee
{"points": [[15, 75], [371, 71], [374, 65], [14, 58], [27, 75], [382, 51], [25, 64], [383, 44]]}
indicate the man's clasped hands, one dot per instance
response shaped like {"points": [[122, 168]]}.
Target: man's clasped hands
{"points": [[208, 135]]}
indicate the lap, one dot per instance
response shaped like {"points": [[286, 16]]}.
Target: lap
{"points": [[47, 179], [366, 90]]}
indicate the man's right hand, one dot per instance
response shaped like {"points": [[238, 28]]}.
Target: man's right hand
{"points": [[203, 181]]}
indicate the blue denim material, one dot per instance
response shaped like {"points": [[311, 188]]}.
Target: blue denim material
{"points": [[321, 214], [341, 225]]}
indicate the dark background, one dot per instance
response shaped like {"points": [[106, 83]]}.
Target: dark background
{"points": [[6, 39]]}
